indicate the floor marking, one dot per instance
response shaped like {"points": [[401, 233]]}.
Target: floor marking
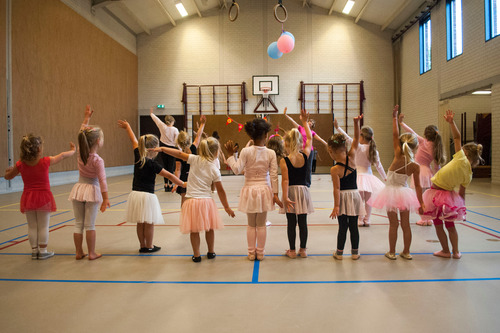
{"points": [[255, 274], [491, 195], [484, 232], [491, 217]]}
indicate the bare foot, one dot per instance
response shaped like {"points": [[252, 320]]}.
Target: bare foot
{"points": [[442, 254], [457, 255], [94, 257], [81, 256]]}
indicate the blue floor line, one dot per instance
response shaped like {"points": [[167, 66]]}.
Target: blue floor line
{"points": [[255, 274], [482, 226], [491, 217]]}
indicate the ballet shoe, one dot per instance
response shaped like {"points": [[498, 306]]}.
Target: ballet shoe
{"points": [[291, 254], [391, 256], [406, 256], [302, 253]]}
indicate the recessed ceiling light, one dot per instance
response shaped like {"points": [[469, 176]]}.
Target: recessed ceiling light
{"points": [[348, 7], [180, 8], [482, 92]]}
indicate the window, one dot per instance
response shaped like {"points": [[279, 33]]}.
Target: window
{"points": [[492, 17], [425, 44], [453, 28]]}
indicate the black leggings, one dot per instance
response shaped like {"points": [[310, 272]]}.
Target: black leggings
{"points": [[292, 225], [168, 162], [351, 223]]}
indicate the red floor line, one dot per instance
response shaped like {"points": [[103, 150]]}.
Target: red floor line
{"points": [[120, 224], [479, 230], [24, 240]]}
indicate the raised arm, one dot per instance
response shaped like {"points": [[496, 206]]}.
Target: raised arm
{"points": [[340, 130], [395, 130], [58, 158], [157, 120], [304, 115], [236, 166], [203, 121], [126, 126], [457, 139], [403, 125], [291, 119], [355, 140], [86, 118], [172, 152]]}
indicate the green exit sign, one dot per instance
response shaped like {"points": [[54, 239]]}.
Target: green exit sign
{"points": [[160, 106]]}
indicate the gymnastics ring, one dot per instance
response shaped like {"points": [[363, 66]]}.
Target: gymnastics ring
{"points": [[276, 14], [237, 11]]}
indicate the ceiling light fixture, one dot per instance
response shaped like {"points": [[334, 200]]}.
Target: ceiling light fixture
{"points": [[180, 8], [348, 7], [482, 92]]}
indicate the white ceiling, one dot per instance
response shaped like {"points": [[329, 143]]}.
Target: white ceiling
{"points": [[140, 16]]}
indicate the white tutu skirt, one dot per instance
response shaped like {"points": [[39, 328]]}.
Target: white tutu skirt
{"points": [[256, 199], [199, 214], [369, 183], [86, 190], [302, 198], [425, 177], [144, 207], [395, 198], [351, 203]]}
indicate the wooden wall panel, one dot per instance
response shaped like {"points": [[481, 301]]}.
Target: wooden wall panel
{"points": [[61, 62], [324, 128], [4, 155]]}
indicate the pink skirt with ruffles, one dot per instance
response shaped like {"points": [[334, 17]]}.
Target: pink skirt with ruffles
{"points": [[443, 205], [395, 198], [369, 183], [199, 214], [301, 197], [256, 199], [37, 200]]}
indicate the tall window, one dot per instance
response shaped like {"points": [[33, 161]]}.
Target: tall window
{"points": [[425, 44], [453, 28], [492, 17]]}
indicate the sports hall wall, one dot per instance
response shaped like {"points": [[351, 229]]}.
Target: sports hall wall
{"points": [[4, 162], [213, 50], [425, 97], [60, 63]]}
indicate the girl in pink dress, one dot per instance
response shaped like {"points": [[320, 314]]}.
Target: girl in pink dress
{"points": [[257, 197], [430, 149], [91, 191], [37, 201], [397, 196], [366, 156]]}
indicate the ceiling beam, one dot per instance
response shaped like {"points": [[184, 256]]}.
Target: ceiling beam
{"points": [[362, 11], [197, 9], [165, 11], [222, 4], [96, 4], [331, 8], [306, 3], [395, 14], [135, 18]]}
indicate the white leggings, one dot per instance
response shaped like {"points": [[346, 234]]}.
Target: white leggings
{"points": [[85, 215], [257, 219], [38, 227]]}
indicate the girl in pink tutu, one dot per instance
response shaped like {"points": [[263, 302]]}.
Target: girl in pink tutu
{"points": [[199, 211], [442, 203], [297, 201], [37, 201], [257, 197], [91, 191], [366, 156], [430, 149], [397, 196], [348, 205], [143, 206]]}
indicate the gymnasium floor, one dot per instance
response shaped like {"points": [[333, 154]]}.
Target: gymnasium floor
{"points": [[167, 292]]}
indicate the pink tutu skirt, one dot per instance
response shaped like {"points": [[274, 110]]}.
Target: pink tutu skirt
{"points": [[425, 177], [37, 200], [256, 199], [351, 203], [144, 207], [199, 214], [302, 198], [86, 190], [395, 198], [443, 205], [369, 183]]}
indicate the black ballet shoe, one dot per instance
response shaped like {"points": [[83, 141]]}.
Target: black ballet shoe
{"points": [[196, 259], [153, 249], [143, 250], [211, 255]]}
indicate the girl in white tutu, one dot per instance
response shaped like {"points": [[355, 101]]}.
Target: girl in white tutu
{"points": [[442, 203], [397, 196], [366, 156], [430, 149], [199, 212], [257, 197], [91, 191], [143, 206], [348, 205], [297, 201]]}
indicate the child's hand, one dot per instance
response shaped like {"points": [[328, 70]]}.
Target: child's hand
{"points": [[229, 211], [288, 204], [203, 120], [421, 209], [335, 124], [357, 119], [304, 116], [335, 213], [105, 204], [276, 200], [401, 118], [88, 112], [284, 111], [72, 146], [151, 110], [395, 111], [449, 116], [123, 124], [230, 147]]}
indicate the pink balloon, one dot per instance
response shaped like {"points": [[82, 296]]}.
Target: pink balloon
{"points": [[285, 43]]}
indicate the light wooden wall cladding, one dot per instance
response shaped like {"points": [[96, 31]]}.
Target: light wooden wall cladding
{"points": [[61, 62], [4, 158]]}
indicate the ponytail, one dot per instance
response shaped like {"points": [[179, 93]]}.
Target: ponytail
{"points": [[473, 151], [145, 142], [87, 138], [83, 147], [409, 143], [367, 134], [431, 133], [209, 149], [294, 140]]}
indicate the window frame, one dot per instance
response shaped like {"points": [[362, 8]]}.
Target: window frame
{"points": [[451, 36], [422, 24], [488, 20]]}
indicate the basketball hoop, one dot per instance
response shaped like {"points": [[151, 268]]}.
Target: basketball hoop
{"points": [[265, 92]]}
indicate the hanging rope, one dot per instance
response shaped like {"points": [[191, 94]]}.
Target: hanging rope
{"points": [[237, 8], [280, 5]]}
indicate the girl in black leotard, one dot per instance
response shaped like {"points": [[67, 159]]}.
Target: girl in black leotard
{"points": [[348, 202]]}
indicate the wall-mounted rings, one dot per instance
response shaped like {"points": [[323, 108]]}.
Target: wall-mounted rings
{"points": [[279, 5], [237, 8]]}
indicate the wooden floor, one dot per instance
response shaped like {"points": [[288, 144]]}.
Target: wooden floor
{"points": [[167, 292]]}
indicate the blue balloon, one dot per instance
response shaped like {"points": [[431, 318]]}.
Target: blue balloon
{"points": [[273, 51], [288, 34]]}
